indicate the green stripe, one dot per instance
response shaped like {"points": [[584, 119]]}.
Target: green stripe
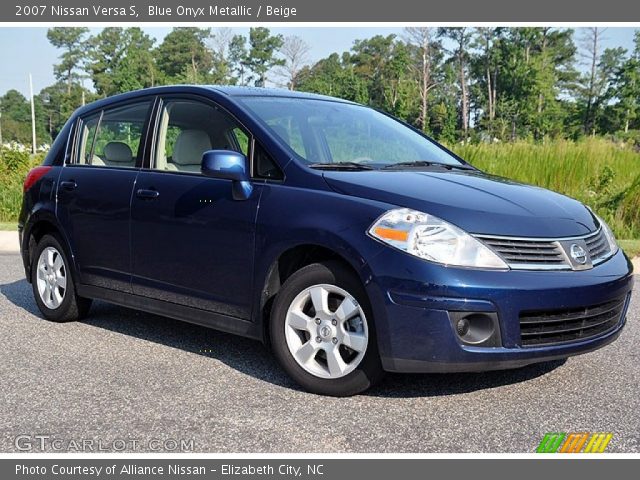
{"points": [[551, 442]]}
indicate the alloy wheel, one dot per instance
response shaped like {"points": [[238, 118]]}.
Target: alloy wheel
{"points": [[326, 331], [51, 278]]}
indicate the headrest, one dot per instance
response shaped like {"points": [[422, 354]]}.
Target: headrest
{"points": [[118, 152], [189, 147]]}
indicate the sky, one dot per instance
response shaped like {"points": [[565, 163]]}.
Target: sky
{"points": [[25, 50]]}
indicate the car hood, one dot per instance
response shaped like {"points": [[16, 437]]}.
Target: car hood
{"points": [[474, 201]]}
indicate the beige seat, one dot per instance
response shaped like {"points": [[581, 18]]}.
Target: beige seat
{"points": [[188, 150], [118, 154], [96, 160]]}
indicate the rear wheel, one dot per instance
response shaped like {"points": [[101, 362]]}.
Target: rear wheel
{"points": [[322, 331], [52, 283]]}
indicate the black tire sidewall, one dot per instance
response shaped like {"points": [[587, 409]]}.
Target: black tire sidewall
{"points": [[368, 372], [68, 309]]}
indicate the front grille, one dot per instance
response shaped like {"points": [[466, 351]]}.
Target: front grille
{"points": [[598, 247], [544, 254], [560, 326], [527, 252]]}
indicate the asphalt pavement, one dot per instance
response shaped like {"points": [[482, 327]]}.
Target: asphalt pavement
{"points": [[122, 380]]}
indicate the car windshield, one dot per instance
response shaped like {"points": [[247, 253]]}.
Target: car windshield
{"points": [[326, 133]]}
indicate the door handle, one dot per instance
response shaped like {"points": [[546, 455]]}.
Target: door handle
{"points": [[69, 185], [147, 194]]}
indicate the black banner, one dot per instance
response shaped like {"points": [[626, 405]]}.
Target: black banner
{"points": [[324, 469], [332, 11]]}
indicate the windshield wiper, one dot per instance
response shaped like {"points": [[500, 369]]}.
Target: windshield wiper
{"points": [[341, 166], [424, 163]]}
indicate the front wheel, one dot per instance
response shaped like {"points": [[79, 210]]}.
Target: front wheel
{"points": [[322, 331]]}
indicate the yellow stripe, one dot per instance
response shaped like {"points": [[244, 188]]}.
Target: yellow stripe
{"points": [[606, 441], [590, 444], [596, 444]]}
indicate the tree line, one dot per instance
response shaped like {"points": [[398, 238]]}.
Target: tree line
{"points": [[454, 83]]}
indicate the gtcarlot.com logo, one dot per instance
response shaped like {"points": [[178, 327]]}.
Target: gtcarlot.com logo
{"points": [[51, 443], [584, 442]]}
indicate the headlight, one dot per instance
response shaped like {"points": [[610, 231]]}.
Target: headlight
{"points": [[433, 239], [611, 239]]}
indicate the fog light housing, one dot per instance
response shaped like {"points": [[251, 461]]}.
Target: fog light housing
{"points": [[479, 329]]}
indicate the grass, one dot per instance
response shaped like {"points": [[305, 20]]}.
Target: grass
{"points": [[630, 247], [8, 226]]}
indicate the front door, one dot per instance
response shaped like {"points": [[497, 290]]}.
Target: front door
{"points": [[192, 243]]}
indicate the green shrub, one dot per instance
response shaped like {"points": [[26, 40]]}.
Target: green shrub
{"points": [[14, 167]]}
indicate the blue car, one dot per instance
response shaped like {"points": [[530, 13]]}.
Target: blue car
{"points": [[347, 240]]}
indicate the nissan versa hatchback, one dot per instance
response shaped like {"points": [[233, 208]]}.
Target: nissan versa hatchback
{"points": [[348, 241]]}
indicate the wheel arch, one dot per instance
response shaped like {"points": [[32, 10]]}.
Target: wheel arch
{"points": [[288, 262], [40, 224]]}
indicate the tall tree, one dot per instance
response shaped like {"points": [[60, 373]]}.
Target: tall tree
{"points": [[183, 55], [16, 120], [336, 76], [220, 44], [262, 53], [71, 41], [239, 58], [380, 61], [592, 44], [54, 106], [553, 70], [296, 54], [627, 87], [120, 60], [461, 37], [423, 39]]}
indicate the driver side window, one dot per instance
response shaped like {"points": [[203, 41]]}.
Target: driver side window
{"points": [[189, 128]]}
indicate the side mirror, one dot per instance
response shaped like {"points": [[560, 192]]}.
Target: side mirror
{"points": [[228, 165]]}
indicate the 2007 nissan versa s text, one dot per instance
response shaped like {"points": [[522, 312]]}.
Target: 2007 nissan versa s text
{"points": [[349, 241]]}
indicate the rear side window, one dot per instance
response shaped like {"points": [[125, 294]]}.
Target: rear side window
{"points": [[113, 137]]}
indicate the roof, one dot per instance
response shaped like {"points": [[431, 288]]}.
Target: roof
{"points": [[231, 91], [237, 91]]}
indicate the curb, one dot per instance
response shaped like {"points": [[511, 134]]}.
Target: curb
{"points": [[9, 242], [636, 265]]}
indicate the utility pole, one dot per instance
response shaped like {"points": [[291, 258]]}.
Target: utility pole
{"points": [[0, 127], [33, 118]]}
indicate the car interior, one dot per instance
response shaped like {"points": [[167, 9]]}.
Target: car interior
{"points": [[187, 130], [110, 138]]}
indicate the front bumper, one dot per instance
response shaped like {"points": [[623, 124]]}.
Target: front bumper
{"points": [[412, 300]]}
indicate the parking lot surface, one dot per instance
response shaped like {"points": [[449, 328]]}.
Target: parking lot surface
{"points": [[131, 381]]}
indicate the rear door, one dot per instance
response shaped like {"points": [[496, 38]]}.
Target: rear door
{"points": [[95, 188], [192, 243]]}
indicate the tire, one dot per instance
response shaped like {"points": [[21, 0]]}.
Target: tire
{"points": [[309, 343], [53, 284]]}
